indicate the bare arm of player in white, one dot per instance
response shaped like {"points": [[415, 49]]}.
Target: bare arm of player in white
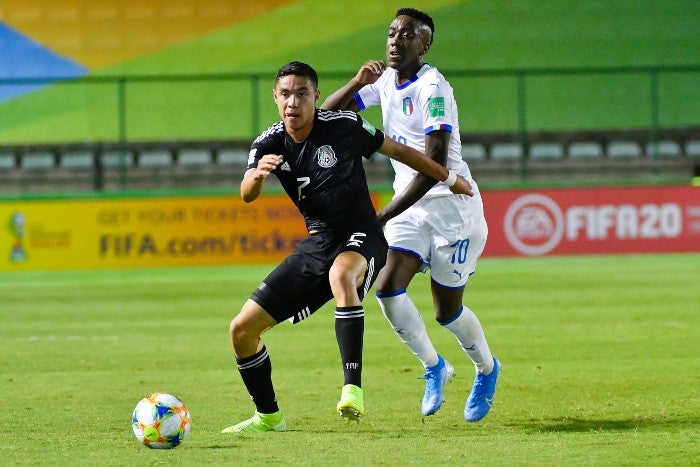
{"points": [[436, 144], [344, 98], [418, 161], [254, 179]]}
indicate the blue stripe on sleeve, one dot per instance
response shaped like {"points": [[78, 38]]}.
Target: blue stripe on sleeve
{"points": [[441, 126], [358, 101]]}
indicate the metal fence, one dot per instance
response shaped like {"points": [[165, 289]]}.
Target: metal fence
{"points": [[506, 116]]}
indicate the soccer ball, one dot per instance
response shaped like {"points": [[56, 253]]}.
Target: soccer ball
{"points": [[161, 421]]}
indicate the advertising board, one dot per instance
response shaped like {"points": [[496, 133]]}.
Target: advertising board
{"points": [[593, 220]]}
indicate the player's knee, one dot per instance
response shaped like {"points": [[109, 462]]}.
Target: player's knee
{"points": [[335, 275], [340, 278], [381, 287], [233, 329], [443, 314], [389, 282], [239, 332]]}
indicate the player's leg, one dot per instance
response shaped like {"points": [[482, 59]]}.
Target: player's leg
{"points": [[407, 322], [451, 314], [345, 276], [458, 244], [255, 367], [399, 309], [281, 295], [410, 248], [353, 272], [409, 252], [467, 329]]}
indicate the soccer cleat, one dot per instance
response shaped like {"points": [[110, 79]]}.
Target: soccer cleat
{"points": [[481, 398], [258, 423], [351, 405], [436, 377]]}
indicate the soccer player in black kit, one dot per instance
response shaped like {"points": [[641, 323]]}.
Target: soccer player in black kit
{"points": [[317, 157]]}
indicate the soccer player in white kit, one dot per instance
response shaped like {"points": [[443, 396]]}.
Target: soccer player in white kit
{"points": [[442, 232]]}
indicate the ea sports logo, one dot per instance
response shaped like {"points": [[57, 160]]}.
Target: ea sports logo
{"points": [[534, 224]]}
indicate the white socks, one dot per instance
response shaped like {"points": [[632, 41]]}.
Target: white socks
{"points": [[470, 335], [408, 324]]}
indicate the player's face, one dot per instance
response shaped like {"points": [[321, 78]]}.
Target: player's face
{"points": [[406, 44], [296, 98]]}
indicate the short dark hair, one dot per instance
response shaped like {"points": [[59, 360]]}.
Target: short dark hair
{"points": [[420, 16], [298, 69]]}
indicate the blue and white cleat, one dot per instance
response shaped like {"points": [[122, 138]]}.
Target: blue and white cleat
{"points": [[436, 377], [481, 398]]}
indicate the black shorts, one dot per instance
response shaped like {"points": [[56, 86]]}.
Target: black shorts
{"points": [[299, 285]]}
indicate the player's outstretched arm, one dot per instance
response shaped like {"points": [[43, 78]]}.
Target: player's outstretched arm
{"points": [[344, 98], [418, 161], [436, 148], [254, 179]]}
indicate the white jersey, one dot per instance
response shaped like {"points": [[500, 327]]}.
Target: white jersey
{"points": [[410, 111]]}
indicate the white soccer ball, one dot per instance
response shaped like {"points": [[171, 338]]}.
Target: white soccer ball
{"points": [[161, 421]]}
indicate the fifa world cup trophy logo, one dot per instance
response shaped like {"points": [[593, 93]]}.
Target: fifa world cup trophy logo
{"points": [[18, 254]]}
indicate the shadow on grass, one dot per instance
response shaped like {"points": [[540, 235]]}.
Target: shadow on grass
{"points": [[572, 424]]}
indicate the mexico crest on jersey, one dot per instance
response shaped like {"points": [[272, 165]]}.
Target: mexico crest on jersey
{"points": [[407, 106], [326, 156]]}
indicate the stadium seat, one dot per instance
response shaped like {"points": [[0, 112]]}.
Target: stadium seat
{"points": [[113, 158], [473, 151], [232, 156], [502, 151], [41, 160], [194, 157], [77, 160], [585, 149], [155, 158], [546, 151], [666, 148], [7, 161], [623, 149], [692, 148]]}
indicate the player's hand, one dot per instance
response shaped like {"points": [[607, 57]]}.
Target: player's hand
{"points": [[370, 72], [267, 164], [462, 187]]}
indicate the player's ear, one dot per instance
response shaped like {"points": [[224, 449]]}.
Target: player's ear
{"points": [[426, 44], [317, 94], [426, 37]]}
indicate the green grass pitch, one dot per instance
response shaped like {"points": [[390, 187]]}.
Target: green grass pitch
{"points": [[601, 366]]}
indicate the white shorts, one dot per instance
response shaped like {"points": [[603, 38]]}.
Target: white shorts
{"points": [[447, 233]]}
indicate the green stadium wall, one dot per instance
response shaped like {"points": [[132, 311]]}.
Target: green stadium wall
{"points": [[171, 72]]}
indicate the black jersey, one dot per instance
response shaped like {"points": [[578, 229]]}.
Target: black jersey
{"points": [[324, 175]]}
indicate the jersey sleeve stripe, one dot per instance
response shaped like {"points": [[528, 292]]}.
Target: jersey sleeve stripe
{"points": [[328, 115], [275, 128], [440, 126], [358, 100]]}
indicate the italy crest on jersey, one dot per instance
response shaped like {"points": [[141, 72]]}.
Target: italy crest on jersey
{"points": [[407, 106], [326, 156]]}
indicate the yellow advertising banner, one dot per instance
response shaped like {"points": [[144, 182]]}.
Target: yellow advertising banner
{"points": [[134, 232]]}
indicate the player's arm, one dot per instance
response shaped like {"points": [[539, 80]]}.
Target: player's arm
{"points": [[436, 144], [344, 98], [426, 166], [254, 179]]}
